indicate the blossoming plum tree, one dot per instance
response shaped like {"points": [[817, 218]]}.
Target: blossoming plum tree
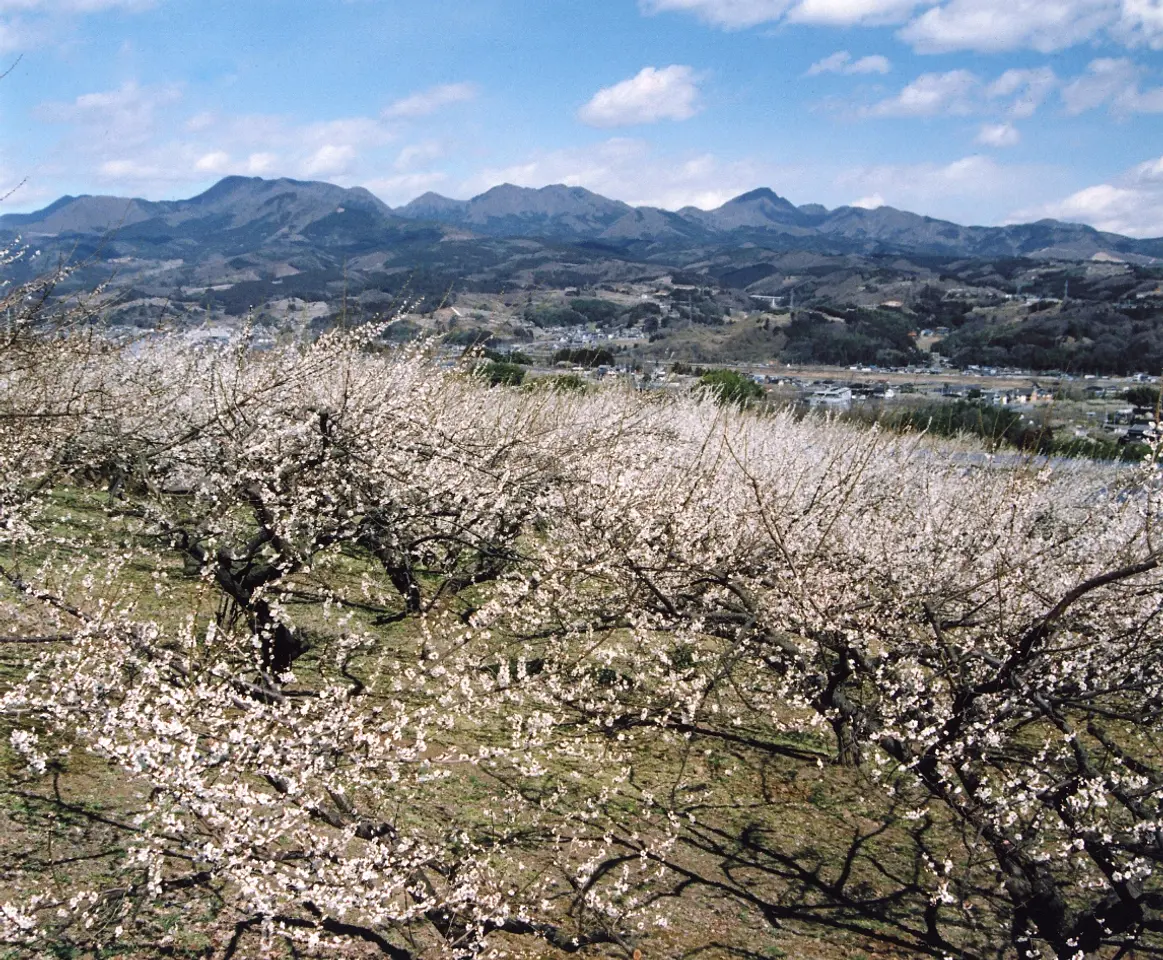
{"points": [[380, 657]]}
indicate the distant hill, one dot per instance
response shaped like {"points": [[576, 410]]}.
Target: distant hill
{"points": [[246, 213], [432, 206], [761, 209], [508, 211], [250, 209]]}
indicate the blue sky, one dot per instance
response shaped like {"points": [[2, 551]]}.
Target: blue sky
{"points": [[981, 111]]}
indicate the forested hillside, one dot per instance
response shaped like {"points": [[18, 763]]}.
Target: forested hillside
{"points": [[1086, 337]]}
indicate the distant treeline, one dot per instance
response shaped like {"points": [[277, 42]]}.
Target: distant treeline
{"points": [[1083, 338], [585, 357], [998, 427]]}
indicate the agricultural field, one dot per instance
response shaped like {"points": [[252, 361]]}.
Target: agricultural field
{"points": [[325, 649]]}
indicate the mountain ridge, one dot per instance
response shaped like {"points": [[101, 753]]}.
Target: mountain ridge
{"points": [[260, 211]]}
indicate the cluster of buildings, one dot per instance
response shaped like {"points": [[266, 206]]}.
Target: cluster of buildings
{"points": [[1133, 425]]}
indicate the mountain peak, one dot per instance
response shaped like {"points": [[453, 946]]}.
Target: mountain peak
{"points": [[225, 187], [432, 206], [762, 208], [249, 199], [433, 197], [761, 193], [557, 200]]}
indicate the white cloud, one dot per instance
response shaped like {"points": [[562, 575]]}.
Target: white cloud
{"points": [[654, 94], [18, 35], [995, 25], [175, 168], [426, 102], [201, 121], [136, 140], [216, 162], [1149, 172], [833, 63], [731, 14], [1043, 25], [1107, 207], [874, 63], [169, 168], [998, 135], [1105, 79], [940, 26], [1113, 82], [932, 94], [1141, 23], [842, 62], [32, 24], [848, 12], [966, 190], [258, 132], [259, 164], [873, 202], [737, 14], [331, 159], [975, 188], [1015, 95], [124, 116], [417, 154], [401, 188], [132, 170], [358, 132], [1131, 205], [1028, 88], [220, 162], [633, 171]]}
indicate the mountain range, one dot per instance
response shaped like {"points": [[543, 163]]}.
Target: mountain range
{"points": [[293, 255], [243, 215]]}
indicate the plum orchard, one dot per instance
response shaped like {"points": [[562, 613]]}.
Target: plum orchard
{"points": [[369, 657]]}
